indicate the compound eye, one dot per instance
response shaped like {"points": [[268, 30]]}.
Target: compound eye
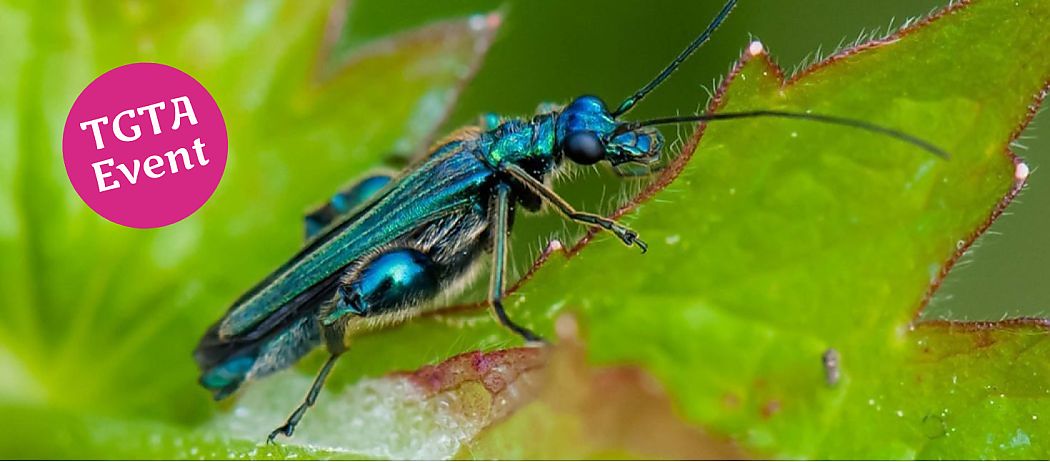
{"points": [[584, 148]]}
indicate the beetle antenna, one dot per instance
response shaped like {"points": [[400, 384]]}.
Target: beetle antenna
{"points": [[630, 102], [828, 119]]}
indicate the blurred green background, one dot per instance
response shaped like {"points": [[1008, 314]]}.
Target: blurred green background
{"points": [[551, 50]]}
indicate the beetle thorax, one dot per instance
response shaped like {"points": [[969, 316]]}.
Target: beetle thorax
{"points": [[526, 143]]}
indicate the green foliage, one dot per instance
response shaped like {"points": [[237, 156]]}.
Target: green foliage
{"points": [[775, 242]]}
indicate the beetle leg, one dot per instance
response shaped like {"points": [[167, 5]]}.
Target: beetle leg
{"points": [[396, 279], [344, 201], [637, 171], [311, 397], [499, 217], [627, 235]]}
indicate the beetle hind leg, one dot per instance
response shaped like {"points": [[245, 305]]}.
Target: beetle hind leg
{"points": [[311, 397], [395, 279]]}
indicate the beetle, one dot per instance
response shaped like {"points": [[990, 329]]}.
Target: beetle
{"points": [[380, 251]]}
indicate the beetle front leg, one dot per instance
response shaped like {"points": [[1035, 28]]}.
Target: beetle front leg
{"points": [[627, 235], [637, 171]]}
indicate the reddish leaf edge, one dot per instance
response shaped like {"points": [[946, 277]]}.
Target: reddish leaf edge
{"points": [[517, 377]]}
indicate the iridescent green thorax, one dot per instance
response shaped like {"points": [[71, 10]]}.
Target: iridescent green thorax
{"points": [[521, 141]]}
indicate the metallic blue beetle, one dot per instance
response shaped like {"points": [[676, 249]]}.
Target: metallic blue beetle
{"points": [[382, 250]]}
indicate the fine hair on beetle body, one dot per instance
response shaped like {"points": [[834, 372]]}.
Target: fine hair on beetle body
{"points": [[391, 246]]}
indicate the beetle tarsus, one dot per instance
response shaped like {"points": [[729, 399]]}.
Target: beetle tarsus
{"points": [[287, 429], [523, 332]]}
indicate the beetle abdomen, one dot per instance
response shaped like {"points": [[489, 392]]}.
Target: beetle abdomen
{"points": [[226, 365]]}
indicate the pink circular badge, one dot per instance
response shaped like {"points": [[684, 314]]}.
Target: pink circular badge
{"points": [[145, 145]]}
